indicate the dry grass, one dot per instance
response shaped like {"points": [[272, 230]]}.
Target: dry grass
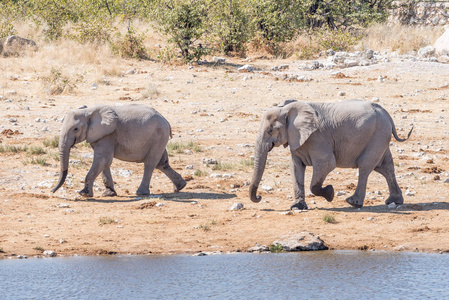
{"points": [[399, 38]]}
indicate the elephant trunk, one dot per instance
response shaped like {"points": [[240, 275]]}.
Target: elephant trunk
{"points": [[64, 153], [260, 160]]}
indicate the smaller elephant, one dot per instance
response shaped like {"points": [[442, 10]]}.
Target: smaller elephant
{"points": [[347, 134], [134, 133]]}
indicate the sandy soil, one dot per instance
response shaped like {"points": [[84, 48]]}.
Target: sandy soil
{"points": [[218, 109]]}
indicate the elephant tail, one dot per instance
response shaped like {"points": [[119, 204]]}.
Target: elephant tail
{"points": [[171, 134], [395, 134]]}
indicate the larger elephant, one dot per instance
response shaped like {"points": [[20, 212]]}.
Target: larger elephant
{"points": [[134, 133], [347, 134]]}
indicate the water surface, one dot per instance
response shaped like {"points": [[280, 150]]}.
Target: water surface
{"points": [[319, 275]]}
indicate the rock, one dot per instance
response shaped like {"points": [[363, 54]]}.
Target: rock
{"points": [[218, 60], [267, 188], [340, 193], [16, 45], [189, 167], [237, 206], [304, 241], [63, 205], [246, 68], [200, 254], [348, 63], [131, 71], [368, 54], [94, 86], [409, 193], [210, 161], [426, 51], [375, 99], [259, 248], [159, 204], [12, 120], [49, 253], [330, 52], [341, 93], [442, 44], [392, 205]]}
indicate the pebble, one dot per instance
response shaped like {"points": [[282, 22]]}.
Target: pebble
{"points": [[392, 205], [340, 193], [237, 206], [189, 167], [341, 93], [267, 188], [247, 68]]}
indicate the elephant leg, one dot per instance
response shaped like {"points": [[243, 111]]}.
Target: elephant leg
{"points": [[320, 172], [178, 182], [386, 168], [108, 183], [144, 188], [366, 162], [298, 169], [103, 154]]}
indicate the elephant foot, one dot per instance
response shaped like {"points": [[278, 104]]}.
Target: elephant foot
{"points": [[354, 202], [86, 193], [180, 186], [143, 192], [109, 193], [328, 193], [396, 199], [299, 205]]}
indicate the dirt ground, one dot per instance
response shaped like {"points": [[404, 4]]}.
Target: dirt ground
{"points": [[218, 109]]}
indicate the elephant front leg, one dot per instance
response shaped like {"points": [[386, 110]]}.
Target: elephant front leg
{"points": [[320, 172], [102, 160], [108, 183], [298, 169]]}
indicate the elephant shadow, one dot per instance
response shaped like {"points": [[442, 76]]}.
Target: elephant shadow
{"points": [[174, 197], [406, 208]]}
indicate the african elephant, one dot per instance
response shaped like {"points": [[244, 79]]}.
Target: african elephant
{"points": [[134, 133], [347, 134]]}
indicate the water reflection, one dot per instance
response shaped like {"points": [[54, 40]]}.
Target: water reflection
{"points": [[324, 274]]}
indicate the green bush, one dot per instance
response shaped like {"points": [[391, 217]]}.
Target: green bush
{"points": [[183, 22], [130, 45]]}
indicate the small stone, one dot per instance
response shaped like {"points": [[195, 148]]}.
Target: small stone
{"points": [[12, 120], [49, 253], [409, 193], [247, 68], [375, 99], [237, 206], [259, 248], [392, 205], [267, 188], [62, 241], [380, 78], [63, 205], [189, 167], [286, 213], [37, 120], [219, 60], [341, 93], [94, 86], [159, 204], [340, 193]]}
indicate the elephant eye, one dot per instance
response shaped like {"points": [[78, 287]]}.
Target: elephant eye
{"points": [[76, 129]]}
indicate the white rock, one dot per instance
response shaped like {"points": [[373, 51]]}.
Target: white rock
{"points": [[220, 60], [49, 253], [392, 205], [340, 193], [159, 204], [426, 51], [267, 188], [189, 167], [237, 206], [94, 86], [375, 99], [248, 68]]}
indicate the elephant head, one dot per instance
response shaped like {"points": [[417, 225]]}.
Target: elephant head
{"points": [[289, 124], [90, 125]]}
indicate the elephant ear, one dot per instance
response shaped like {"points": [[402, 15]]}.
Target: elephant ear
{"points": [[102, 121], [301, 123]]}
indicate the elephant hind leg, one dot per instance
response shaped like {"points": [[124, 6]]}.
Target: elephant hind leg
{"points": [[320, 172], [386, 168], [178, 182]]}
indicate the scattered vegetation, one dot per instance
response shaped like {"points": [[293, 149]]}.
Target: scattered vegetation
{"points": [[200, 173], [36, 161], [36, 150], [1, 250], [329, 219], [106, 221], [52, 142], [276, 248], [12, 148], [39, 248], [207, 226], [220, 166], [57, 83], [179, 147]]}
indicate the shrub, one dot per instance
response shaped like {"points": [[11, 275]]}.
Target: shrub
{"points": [[130, 45], [230, 23], [329, 219], [183, 22], [57, 83], [52, 142]]}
